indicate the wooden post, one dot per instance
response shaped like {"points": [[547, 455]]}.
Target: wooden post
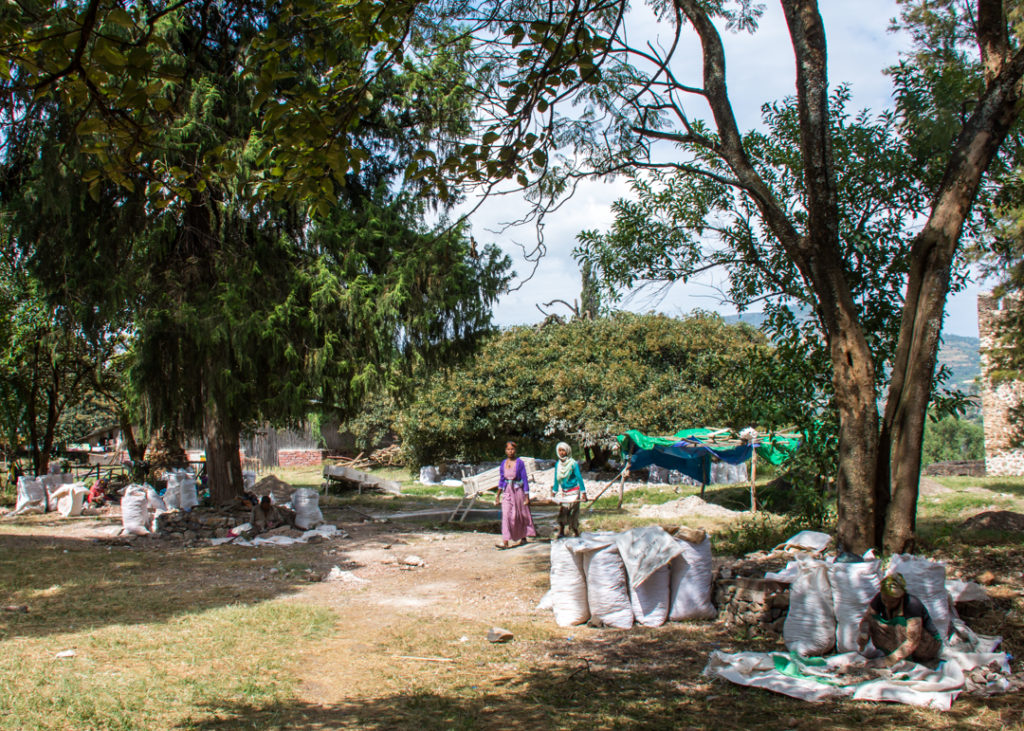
{"points": [[753, 481]]}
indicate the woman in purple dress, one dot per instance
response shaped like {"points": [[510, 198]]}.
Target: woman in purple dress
{"points": [[514, 498]]}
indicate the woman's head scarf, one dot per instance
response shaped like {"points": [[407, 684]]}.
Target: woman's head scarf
{"points": [[565, 464]]}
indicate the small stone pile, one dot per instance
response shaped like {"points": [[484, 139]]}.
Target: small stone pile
{"points": [[196, 525], [760, 604]]}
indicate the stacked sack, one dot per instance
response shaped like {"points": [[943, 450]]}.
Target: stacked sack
{"points": [[643, 575], [181, 491], [828, 599], [136, 504]]}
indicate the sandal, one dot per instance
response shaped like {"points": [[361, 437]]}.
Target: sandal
{"points": [[500, 547]]}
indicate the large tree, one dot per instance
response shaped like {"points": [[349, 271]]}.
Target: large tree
{"points": [[246, 301], [632, 98]]}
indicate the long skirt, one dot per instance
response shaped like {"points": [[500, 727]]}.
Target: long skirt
{"points": [[516, 521]]}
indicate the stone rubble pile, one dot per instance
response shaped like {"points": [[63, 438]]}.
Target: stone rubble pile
{"points": [[196, 525], [760, 604]]}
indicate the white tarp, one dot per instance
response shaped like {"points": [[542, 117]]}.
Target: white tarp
{"points": [[846, 675], [645, 550]]}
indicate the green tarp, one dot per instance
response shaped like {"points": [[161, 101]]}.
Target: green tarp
{"points": [[775, 450]]}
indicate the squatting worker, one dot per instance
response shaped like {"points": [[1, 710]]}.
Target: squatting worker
{"points": [[514, 498], [898, 625], [568, 482]]}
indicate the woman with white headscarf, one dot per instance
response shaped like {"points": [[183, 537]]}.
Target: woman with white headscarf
{"points": [[568, 490]]}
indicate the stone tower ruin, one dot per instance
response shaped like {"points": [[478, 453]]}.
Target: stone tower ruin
{"points": [[997, 400]]}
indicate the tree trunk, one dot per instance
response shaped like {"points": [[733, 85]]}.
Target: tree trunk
{"points": [[928, 284], [136, 450], [223, 464]]}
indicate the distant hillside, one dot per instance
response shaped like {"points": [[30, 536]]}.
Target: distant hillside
{"points": [[958, 352]]}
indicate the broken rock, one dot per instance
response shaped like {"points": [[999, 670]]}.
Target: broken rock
{"points": [[498, 634]]}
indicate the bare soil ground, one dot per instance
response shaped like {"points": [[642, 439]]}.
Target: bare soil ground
{"points": [[409, 646]]}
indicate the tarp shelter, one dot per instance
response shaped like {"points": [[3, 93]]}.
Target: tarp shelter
{"points": [[690, 452]]}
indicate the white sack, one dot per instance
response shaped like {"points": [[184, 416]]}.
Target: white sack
{"points": [[926, 580], [172, 495], [650, 600], [690, 587], [568, 584], [854, 585], [809, 540], [645, 550], [70, 498], [607, 582], [810, 627], [31, 496], [965, 591], [306, 504], [135, 510], [428, 475], [248, 480]]}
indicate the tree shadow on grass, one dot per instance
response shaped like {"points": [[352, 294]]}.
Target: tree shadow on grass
{"points": [[74, 584], [639, 680]]}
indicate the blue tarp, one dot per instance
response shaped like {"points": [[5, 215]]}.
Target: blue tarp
{"points": [[688, 456]]}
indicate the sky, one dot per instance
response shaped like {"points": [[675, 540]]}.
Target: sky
{"points": [[760, 68]]}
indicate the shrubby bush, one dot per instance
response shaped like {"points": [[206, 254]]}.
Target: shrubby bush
{"points": [[587, 380]]}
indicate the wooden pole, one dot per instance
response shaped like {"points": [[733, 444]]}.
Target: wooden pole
{"points": [[753, 481], [594, 499]]}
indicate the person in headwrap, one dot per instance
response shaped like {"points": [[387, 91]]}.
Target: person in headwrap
{"points": [[899, 626], [514, 498], [568, 490]]}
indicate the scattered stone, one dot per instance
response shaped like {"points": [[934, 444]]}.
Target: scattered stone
{"points": [[498, 634], [66, 653], [21, 608], [413, 560], [347, 577], [987, 578]]}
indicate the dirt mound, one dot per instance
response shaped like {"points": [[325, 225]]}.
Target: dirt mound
{"points": [[691, 505], [1004, 520], [279, 490]]}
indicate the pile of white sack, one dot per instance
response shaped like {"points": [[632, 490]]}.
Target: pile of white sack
{"points": [[829, 598], [644, 575], [53, 491]]}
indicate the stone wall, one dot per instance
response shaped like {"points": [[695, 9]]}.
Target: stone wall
{"points": [[300, 457], [997, 402]]}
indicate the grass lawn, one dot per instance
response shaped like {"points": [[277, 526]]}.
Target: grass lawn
{"points": [[167, 637]]}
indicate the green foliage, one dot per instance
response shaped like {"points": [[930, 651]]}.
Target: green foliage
{"points": [[586, 381], [660, 235], [951, 438]]}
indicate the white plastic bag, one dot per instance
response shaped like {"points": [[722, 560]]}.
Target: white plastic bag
{"points": [[926, 580], [568, 584], [70, 498], [135, 510], [306, 504], [650, 599], [690, 587], [854, 585], [607, 582], [31, 496], [645, 550], [810, 626]]}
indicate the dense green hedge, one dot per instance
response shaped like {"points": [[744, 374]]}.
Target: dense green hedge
{"points": [[586, 381]]}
